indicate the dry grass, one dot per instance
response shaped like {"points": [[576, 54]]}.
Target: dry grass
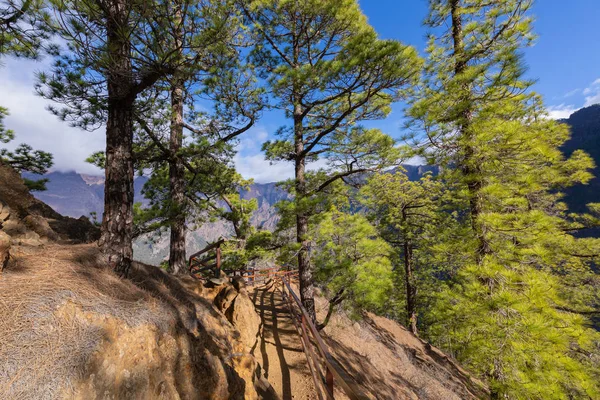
{"points": [[389, 362], [45, 346], [40, 350]]}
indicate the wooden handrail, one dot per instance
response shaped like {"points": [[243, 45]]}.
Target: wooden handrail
{"points": [[199, 266], [306, 329], [333, 370], [218, 243]]}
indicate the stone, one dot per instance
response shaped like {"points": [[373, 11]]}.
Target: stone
{"points": [[239, 283], [225, 298], [242, 315], [40, 226], [4, 250]]}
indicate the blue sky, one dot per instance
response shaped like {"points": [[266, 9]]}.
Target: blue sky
{"points": [[565, 61]]}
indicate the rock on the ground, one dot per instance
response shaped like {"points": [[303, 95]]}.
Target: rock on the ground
{"points": [[243, 316], [40, 226], [233, 301], [4, 250]]}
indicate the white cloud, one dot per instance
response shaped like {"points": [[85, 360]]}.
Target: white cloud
{"points": [[416, 160], [592, 93], [571, 93], [255, 166], [561, 111], [35, 125], [592, 96], [253, 139]]}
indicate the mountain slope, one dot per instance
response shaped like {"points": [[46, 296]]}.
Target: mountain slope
{"points": [[585, 135]]}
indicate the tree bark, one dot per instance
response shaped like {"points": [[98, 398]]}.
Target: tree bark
{"points": [[177, 259], [307, 289], [117, 222], [411, 288]]}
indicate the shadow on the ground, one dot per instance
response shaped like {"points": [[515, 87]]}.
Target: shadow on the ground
{"points": [[276, 325]]}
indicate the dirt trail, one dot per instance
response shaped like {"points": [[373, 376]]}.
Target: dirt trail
{"points": [[278, 348]]}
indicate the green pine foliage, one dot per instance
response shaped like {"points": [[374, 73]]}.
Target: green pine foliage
{"points": [[352, 261], [411, 217], [24, 27], [507, 312]]}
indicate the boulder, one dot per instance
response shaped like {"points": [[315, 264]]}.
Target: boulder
{"points": [[4, 250], [225, 298], [243, 316], [40, 226]]}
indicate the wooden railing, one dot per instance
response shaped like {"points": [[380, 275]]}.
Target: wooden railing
{"points": [[257, 276], [200, 263], [325, 370]]}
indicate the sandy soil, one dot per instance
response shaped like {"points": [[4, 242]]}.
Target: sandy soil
{"points": [[278, 348]]}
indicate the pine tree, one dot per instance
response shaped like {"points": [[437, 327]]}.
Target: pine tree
{"points": [[112, 57], [352, 262], [117, 51], [507, 312], [210, 33], [327, 71], [408, 216]]}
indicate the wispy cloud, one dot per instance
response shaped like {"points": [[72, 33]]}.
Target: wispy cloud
{"points": [[571, 93], [592, 96], [592, 93]]}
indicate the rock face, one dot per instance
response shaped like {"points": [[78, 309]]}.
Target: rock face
{"points": [[28, 220], [233, 301]]}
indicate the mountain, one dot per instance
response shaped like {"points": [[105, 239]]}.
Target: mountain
{"points": [[76, 195], [585, 135]]}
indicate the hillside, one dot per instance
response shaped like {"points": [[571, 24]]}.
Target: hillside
{"points": [[71, 328], [585, 134]]}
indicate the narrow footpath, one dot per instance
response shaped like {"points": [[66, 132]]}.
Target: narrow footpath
{"points": [[278, 348]]}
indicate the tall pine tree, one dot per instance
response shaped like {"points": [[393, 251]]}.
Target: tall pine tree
{"points": [[506, 312], [326, 70]]}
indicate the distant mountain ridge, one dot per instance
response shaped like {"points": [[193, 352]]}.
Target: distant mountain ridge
{"points": [[75, 195], [585, 135]]}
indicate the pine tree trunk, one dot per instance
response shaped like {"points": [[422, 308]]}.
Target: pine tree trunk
{"points": [[469, 166], [305, 273], [117, 222], [177, 259], [411, 288]]}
